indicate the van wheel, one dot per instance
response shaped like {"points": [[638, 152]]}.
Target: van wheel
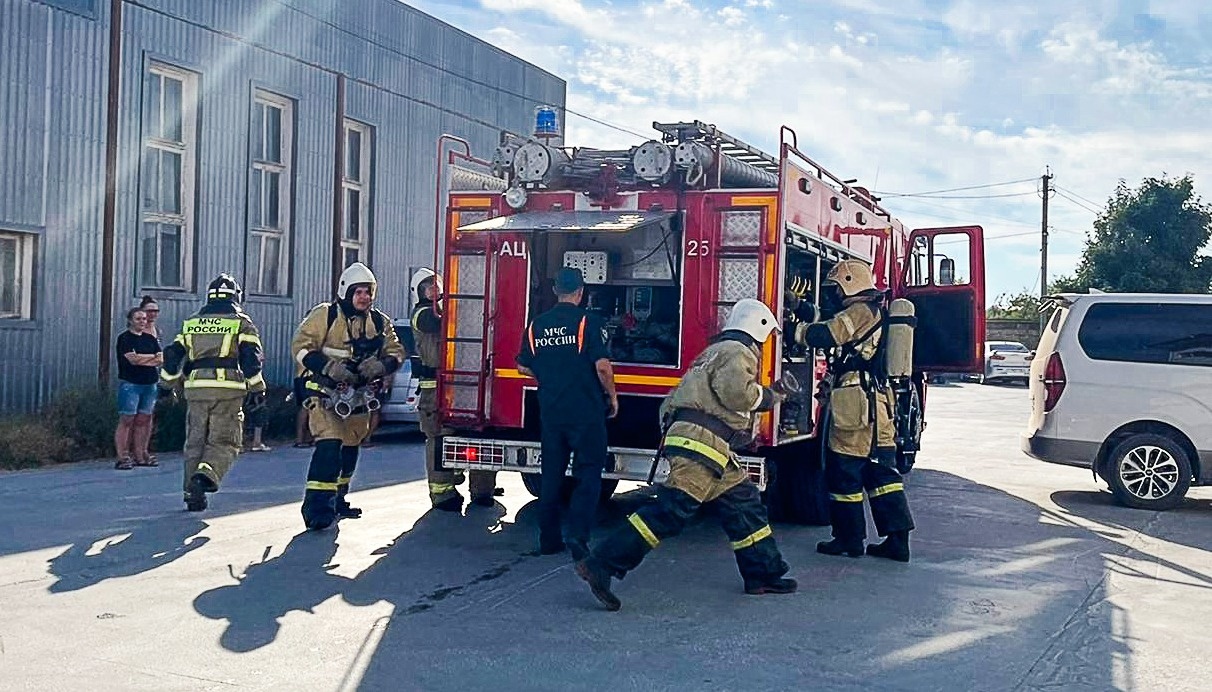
{"points": [[1149, 471], [534, 484]]}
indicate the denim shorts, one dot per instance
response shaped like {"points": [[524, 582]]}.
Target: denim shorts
{"points": [[136, 398]]}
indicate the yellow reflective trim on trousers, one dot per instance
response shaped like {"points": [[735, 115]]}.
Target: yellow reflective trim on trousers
{"points": [[752, 538], [440, 488], [215, 384], [428, 384], [321, 485], [344, 480], [204, 467], [697, 447], [886, 489], [855, 497], [645, 532]]}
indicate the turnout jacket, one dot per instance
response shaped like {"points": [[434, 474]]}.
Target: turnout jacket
{"points": [[711, 411], [217, 354], [331, 331], [426, 330], [861, 405]]}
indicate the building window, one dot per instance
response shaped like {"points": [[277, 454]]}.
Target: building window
{"points": [[16, 275], [356, 187], [269, 191], [167, 177]]}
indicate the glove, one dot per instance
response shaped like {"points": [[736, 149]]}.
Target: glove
{"points": [[337, 371], [372, 368]]}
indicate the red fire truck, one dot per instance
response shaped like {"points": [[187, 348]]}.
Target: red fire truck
{"points": [[669, 235]]}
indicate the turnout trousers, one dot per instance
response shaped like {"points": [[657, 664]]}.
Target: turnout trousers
{"points": [[586, 442], [442, 482], [214, 432], [846, 477], [689, 486], [333, 462]]}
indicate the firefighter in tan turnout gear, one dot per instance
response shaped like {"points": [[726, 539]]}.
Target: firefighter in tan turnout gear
{"points": [[707, 417], [427, 332], [343, 349], [861, 433], [216, 359]]}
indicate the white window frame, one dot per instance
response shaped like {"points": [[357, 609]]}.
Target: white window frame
{"points": [[362, 185], [23, 278], [258, 228], [187, 149]]}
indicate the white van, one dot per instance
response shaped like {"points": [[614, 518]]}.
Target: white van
{"points": [[1122, 384]]}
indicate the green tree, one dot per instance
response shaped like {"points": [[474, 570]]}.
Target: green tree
{"points": [[1148, 240], [1017, 306]]}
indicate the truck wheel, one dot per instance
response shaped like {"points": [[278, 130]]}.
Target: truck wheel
{"points": [[1149, 471], [534, 483], [795, 485]]}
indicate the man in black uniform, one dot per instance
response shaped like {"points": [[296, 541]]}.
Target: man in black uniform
{"points": [[564, 349]]}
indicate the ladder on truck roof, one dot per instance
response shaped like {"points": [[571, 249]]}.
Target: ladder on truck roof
{"points": [[728, 145]]}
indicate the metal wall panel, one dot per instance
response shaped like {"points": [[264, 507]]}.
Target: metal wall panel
{"points": [[408, 75], [52, 134]]}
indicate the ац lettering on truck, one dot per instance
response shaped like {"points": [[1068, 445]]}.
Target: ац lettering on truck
{"points": [[669, 235]]}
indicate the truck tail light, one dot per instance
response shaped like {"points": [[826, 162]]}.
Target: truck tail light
{"points": [[471, 453], [1054, 381]]}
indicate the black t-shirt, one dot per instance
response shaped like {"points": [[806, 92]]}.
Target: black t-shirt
{"points": [[561, 347], [139, 343]]}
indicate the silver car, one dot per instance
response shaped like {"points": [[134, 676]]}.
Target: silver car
{"points": [[1122, 384]]}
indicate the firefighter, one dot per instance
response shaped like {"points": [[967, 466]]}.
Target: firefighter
{"points": [[216, 359], [427, 332], [861, 434], [708, 415], [343, 347], [564, 350]]}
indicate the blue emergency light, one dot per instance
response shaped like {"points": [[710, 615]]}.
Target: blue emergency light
{"points": [[546, 122]]}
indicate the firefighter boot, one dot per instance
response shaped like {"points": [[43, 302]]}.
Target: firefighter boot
{"points": [[195, 496], [598, 576], [780, 585], [349, 462], [894, 547]]}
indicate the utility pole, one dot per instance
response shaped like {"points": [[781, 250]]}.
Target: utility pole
{"points": [[1046, 179]]}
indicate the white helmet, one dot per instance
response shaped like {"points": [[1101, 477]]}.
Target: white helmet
{"points": [[754, 318], [354, 274], [419, 277]]}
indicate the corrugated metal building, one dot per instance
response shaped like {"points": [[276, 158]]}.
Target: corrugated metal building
{"points": [[147, 145]]}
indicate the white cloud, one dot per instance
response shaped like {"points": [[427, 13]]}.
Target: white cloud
{"points": [[903, 95]]}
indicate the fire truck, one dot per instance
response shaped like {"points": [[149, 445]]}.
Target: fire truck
{"points": [[669, 235]]}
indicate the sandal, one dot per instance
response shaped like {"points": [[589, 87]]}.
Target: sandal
{"points": [[124, 464], [260, 448], [149, 461]]}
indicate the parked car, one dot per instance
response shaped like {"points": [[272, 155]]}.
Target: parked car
{"points": [[1122, 384], [1006, 361], [400, 405]]}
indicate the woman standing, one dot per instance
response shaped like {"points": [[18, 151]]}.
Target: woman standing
{"points": [[139, 357], [152, 309]]}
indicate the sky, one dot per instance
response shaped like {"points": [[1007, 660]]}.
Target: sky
{"points": [[909, 97]]}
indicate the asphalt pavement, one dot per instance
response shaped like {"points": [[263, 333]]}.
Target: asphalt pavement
{"points": [[1025, 576]]}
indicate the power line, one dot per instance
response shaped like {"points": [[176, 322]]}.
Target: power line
{"points": [[1081, 205], [953, 189], [1084, 199], [606, 124], [983, 214], [1008, 194]]}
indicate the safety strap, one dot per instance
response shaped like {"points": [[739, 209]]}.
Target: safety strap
{"points": [[705, 420], [211, 364]]}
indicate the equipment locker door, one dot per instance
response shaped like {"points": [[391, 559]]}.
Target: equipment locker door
{"points": [[944, 276]]}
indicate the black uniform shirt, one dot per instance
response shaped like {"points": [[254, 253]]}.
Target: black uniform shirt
{"points": [[562, 347]]}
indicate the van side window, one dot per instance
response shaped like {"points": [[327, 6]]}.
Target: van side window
{"points": [[1179, 334]]}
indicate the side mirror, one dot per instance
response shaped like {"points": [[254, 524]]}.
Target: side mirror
{"points": [[946, 272]]}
